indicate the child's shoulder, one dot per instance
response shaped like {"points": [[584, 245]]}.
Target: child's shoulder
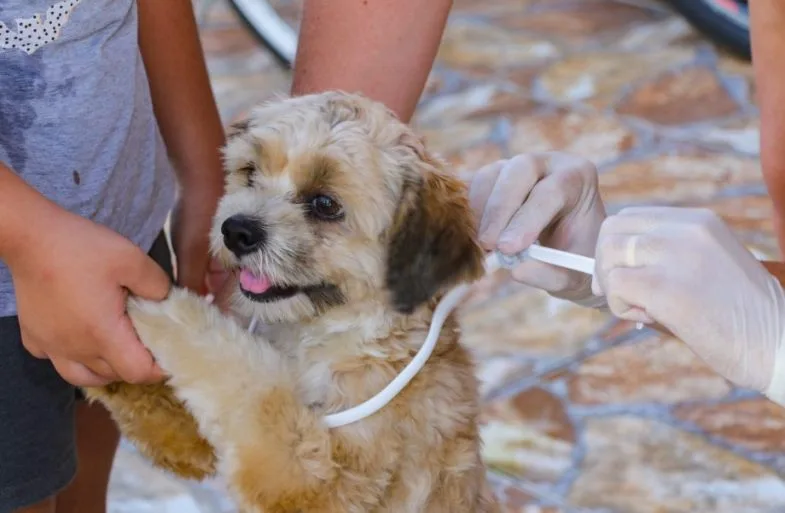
{"points": [[29, 25]]}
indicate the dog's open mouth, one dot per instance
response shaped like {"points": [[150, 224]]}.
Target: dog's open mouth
{"points": [[260, 288]]}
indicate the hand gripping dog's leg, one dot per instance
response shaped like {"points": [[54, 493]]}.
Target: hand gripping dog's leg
{"points": [[275, 452]]}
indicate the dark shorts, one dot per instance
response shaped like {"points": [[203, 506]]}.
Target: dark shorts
{"points": [[37, 444]]}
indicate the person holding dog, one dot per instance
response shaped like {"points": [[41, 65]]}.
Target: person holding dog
{"points": [[107, 122]]}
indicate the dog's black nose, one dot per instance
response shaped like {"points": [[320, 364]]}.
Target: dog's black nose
{"points": [[243, 234]]}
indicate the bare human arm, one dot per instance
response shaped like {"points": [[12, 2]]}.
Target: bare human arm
{"points": [[768, 43], [71, 278], [190, 124], [19, 204], [383, 49]]}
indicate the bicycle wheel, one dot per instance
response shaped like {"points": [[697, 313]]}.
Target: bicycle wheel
{"points": [[270, 27], [726, 22]]}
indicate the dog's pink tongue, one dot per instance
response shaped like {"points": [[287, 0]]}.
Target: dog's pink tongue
{"points": [[253, 283]]}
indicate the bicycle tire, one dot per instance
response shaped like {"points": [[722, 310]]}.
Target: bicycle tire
{"points": [[272, 31], [717, 21]]}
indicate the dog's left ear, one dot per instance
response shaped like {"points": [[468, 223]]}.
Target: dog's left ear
{"points": [[433, 242]]}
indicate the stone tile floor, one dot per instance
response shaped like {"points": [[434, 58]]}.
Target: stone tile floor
{"points": [[582, 413]]}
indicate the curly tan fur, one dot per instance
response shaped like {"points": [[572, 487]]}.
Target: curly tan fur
{"points": [[249, 406]]}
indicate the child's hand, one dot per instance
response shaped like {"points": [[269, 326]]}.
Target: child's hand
{"points": [[218, 283], [71, 286]]}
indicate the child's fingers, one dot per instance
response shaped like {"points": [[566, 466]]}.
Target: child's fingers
{"points": [[129, 358], [77, 374], [31, 344], [101, 367]]}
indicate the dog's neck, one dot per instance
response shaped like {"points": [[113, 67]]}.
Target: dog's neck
{"points": [[356, 328], [349, 353]]}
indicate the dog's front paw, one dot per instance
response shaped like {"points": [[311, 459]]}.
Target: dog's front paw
{"points": [[181, 307], [181, 327], [211, 360]]}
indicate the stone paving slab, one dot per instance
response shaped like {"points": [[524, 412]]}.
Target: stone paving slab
{"points": [[581, 413]]}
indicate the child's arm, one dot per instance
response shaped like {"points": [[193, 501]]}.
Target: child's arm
{"points": [[19, 204], [190, 125], [768, 42], [382, 48], [71, 278]]}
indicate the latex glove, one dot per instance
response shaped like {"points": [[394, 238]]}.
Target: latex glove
{"points": [[550, 197], [684, 269]]}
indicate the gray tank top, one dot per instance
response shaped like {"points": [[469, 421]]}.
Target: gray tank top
{"points": [[76, 118]]}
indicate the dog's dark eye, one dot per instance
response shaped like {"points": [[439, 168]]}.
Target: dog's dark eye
{"points": [[325, 207]]}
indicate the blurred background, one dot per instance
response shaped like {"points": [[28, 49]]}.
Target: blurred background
{"points": [[582, 413]]}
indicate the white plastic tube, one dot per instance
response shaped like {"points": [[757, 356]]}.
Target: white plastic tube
{"points": [[448, 303], [388, 393], [557, 257]]}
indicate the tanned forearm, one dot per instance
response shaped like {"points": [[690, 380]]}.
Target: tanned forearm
{"points": [[768, 43], [182, 97], [383, 49], [190, 125]]}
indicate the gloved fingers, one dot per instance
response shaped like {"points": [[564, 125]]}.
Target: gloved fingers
{"points": [[659, 255], [775, 390], [616, 251], [684, 241], [639, 220], [514, 183], [566, 190], [548, 277], [548, 202], [646, 219], [481, 184], [541, 208], [629, 293], [667, 213], [644, 240]]}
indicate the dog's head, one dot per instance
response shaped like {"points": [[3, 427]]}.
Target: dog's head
{"points": [[331, 200]]}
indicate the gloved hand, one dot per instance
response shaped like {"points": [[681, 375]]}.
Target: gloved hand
{"points": [[550, 197], [684, 269]]}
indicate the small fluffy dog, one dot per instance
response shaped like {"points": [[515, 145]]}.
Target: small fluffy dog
{"points": [[342, 232]]}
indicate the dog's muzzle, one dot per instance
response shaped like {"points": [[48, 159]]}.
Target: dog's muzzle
{"points": [[243, 235]]}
